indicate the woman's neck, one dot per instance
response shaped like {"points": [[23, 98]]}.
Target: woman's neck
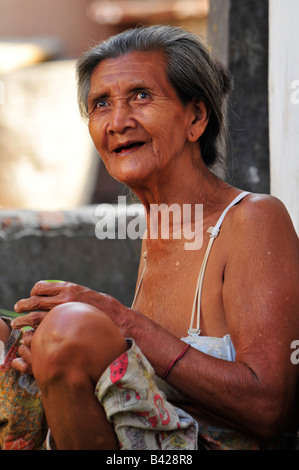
{"points": [[186, 185], [177, 213]]}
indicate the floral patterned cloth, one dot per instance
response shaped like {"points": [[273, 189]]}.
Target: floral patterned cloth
{"points": [[22, 422], [141, 415]]}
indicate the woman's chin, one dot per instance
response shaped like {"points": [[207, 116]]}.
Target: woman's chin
{"points": [[130, 177]]}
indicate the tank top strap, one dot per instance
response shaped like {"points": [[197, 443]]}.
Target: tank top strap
{"points": [[140, 280], [214, 232]]}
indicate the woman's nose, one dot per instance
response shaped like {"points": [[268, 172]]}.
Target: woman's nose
{"points": [[120, 119]]}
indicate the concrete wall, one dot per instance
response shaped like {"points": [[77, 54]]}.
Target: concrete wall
{"points": [[238, 34], [284, 103], [37, 245]]}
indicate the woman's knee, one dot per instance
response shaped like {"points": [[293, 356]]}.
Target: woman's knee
{"points": [[75, 336]]}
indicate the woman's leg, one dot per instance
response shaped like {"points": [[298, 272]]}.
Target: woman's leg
{"points": [[71, 348]]}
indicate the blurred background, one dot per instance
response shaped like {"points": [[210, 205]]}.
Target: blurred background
{"points": [[46, 158], [48, 163]]}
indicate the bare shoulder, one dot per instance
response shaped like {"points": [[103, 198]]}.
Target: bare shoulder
{"points": [[255, 205], [262, 269], [263, 215], [262, 238]]}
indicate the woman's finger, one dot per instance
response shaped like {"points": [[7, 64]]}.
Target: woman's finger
{"points": [[32, 319], [22, 366], [27, 338], [37, 303], [47, 288], [25, 353], [44, 296]]}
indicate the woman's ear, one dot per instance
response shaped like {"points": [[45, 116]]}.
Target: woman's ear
{"points": [[200, 120]]}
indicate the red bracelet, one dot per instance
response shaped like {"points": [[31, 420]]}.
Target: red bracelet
{"points": [[168, 369]]}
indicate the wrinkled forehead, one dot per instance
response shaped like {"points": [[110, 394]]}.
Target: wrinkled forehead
{"points": [[139, 65]]}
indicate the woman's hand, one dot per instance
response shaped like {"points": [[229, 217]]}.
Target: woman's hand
{"points": [[47, 295], [23, 363]]}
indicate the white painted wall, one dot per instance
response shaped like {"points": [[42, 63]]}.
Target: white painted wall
{"points": [[284, 103]]}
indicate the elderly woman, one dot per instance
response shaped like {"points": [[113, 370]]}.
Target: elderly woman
{"points": [[202, 358]]}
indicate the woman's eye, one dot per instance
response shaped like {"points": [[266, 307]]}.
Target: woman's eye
{"points": [[142, 95], [101, 103]]}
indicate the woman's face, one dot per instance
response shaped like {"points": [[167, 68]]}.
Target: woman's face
{"points": [[138, 124]]}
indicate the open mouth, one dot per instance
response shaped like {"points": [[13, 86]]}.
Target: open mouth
{"points": [[127, 147]]}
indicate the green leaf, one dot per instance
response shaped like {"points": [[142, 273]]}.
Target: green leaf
{"points": [[10, 314]]}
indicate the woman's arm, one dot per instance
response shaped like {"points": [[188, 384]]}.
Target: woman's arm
{"points": [[255, 393]]}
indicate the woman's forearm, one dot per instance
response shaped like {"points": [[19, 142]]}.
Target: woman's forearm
{"points": [[227, 391]]}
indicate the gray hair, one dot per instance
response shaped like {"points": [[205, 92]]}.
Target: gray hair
{"points": [[191, 70]]}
